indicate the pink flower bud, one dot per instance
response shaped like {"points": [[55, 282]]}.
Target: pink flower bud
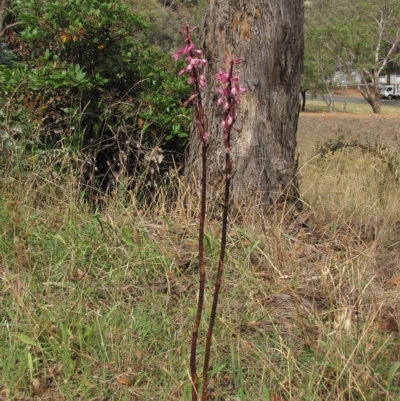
{"points": [[222, 76], [202, 82]]}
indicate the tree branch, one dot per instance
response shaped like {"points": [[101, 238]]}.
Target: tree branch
{"points": [[2, 32]]}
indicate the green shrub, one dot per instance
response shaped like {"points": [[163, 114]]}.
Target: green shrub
{"points": [[89, 82]]}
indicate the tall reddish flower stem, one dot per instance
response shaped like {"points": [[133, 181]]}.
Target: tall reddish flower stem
{"points": [[228, 90], [194, 67]]}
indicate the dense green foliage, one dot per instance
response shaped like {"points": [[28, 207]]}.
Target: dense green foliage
{"points": [[87, 80]]}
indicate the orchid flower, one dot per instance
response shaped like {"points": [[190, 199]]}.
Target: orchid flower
{"points": [[228, 96], [194, 66], [195, 62]]}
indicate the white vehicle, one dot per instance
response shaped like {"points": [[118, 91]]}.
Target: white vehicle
{"points": [[390, 92]]}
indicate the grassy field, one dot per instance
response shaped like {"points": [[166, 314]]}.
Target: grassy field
{"points": [[101, 306], [388, 108]]}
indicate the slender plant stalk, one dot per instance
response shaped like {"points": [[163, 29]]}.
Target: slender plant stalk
{"points": [[228, 90], [195, 64], [202, 274], [228, 172], [202, 128]]}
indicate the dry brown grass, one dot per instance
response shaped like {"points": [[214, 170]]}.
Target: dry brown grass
{"points": [[310, 301], [319, 127], [319, 106]]}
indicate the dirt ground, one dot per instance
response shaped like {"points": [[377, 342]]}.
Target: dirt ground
{"points": [[351, 92], [316, 128]]}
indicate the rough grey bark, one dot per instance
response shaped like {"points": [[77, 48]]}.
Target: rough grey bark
{"points": [[268, 35]]}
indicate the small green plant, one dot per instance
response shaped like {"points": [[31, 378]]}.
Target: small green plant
{"points": [[331, 146], [389, 155]]}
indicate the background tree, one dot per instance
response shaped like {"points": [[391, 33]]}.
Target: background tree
{"points": [[353, 37], [380, 39], [328, 62], [268, 35], [319, 65]]}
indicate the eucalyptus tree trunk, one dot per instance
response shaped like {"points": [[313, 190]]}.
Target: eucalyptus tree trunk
{"points": [[268, 36], [371, 95]]}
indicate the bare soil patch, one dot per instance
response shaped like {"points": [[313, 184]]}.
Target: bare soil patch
{"points": [[314, 128], [351, 92]]}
